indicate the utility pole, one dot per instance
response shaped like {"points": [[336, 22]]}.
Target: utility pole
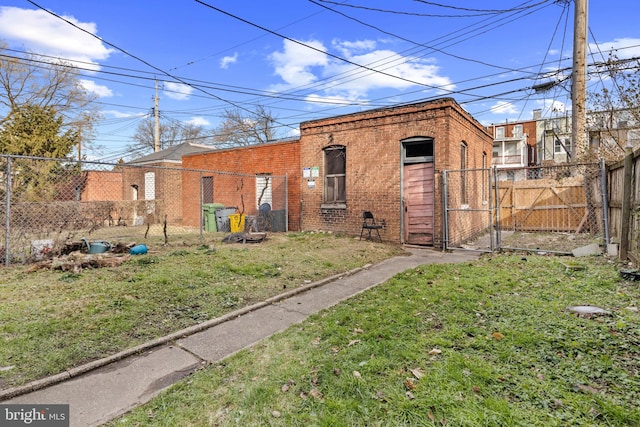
{"points": [[156, 129], [578, 83]]}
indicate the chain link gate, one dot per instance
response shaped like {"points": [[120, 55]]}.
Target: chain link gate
{"points": [[468, 207]]}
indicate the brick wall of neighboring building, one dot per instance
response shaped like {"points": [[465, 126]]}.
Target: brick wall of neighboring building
{"points": [[278, 159], [373, 161], [167, 177]]}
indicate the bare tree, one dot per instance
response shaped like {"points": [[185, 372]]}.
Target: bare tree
{"points": [[171, 133], [240, 128], [616, 107], [31, 81]]}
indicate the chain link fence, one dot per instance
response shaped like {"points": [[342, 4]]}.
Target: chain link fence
{"points": [[53, 206], [544, 208], [468, 209]]}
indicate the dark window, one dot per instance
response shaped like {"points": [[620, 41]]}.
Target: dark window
{"points": [[463, 175], [207, 189], [335, 164], [418, 150]]}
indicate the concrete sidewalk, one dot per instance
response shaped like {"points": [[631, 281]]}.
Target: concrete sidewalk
{"points": [[115, 387]]}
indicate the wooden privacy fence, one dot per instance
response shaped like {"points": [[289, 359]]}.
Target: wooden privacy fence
{"points": [[623, 187], [549, 205]]}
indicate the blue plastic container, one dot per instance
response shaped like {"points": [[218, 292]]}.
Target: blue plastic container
{"points": [[138, 250]]}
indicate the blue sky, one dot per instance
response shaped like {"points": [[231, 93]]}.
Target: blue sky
{"points": [[309, 59]]}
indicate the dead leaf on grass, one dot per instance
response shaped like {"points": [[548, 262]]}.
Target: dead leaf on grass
{"points": [[435, 351], [353, 342], [417, 372], [358, 331], [276, 414], [286, 387], [497, 336], [409, 384], [316, 341], [410, 395], [316, 394], [357, 375]]}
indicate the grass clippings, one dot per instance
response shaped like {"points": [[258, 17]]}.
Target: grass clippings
{"points": [[52, 320], [488, 343]]}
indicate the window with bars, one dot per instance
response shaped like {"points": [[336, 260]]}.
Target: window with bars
{"points": [[335, 164]]}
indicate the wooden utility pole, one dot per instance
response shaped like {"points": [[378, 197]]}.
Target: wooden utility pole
{"points": [[156, 129], [579, 77]]}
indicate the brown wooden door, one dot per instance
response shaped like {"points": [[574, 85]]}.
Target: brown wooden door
{"points": [[418, 188]]}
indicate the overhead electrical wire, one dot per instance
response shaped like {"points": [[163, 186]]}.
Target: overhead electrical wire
{"points": [[480, 12]]}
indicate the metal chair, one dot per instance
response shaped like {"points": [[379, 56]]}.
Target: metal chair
{"points": [[369, 224]]}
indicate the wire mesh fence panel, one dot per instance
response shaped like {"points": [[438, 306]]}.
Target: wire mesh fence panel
{"points": [[468, 209], [49, 205], [550, 208]]}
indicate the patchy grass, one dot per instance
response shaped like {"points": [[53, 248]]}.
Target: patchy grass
{"points": [[489, 343], [53, 320]]}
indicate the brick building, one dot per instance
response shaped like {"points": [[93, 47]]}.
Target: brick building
{"points": [[244, 177], [388, 161], [153, 185]]}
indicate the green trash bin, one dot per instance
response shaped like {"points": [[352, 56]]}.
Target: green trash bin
{"points": [[209, 214]]}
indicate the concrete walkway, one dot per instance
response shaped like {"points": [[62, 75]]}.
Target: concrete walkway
{"points": [[110, 387]]}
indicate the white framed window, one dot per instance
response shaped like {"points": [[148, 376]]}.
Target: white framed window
{"points": [[264, 190], [517, 131], [500, 132], [562, 147]]}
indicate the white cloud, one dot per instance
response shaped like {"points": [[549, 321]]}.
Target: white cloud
{"points": [[503, 107], [100, 90], [120, 115], [54, 36], [348, 47], [294, 64], [177, 91], [551, 107], [299, 66], [330, 100], [224, 62], [198, 121], [623, 47]]}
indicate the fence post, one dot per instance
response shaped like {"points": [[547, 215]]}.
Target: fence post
{"points": [[497, 207], [492, 225], [445, 213], [7, 197], [626, 206], [286, 202], [605, 201], [200, 214]]}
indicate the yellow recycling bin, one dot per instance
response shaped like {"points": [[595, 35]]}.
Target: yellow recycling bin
{"points": [[236, 221]]}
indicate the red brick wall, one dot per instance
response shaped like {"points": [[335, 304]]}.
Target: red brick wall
{"points": [[373, 161], [528, 127], [277, 159], [168, 189]]}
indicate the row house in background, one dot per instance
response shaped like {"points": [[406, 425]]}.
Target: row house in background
{"points": [[514, 148], [553, 138], [608, 134]]}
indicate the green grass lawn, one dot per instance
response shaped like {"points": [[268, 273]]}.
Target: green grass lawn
{"points": [[53, 320], [488, 343]]}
